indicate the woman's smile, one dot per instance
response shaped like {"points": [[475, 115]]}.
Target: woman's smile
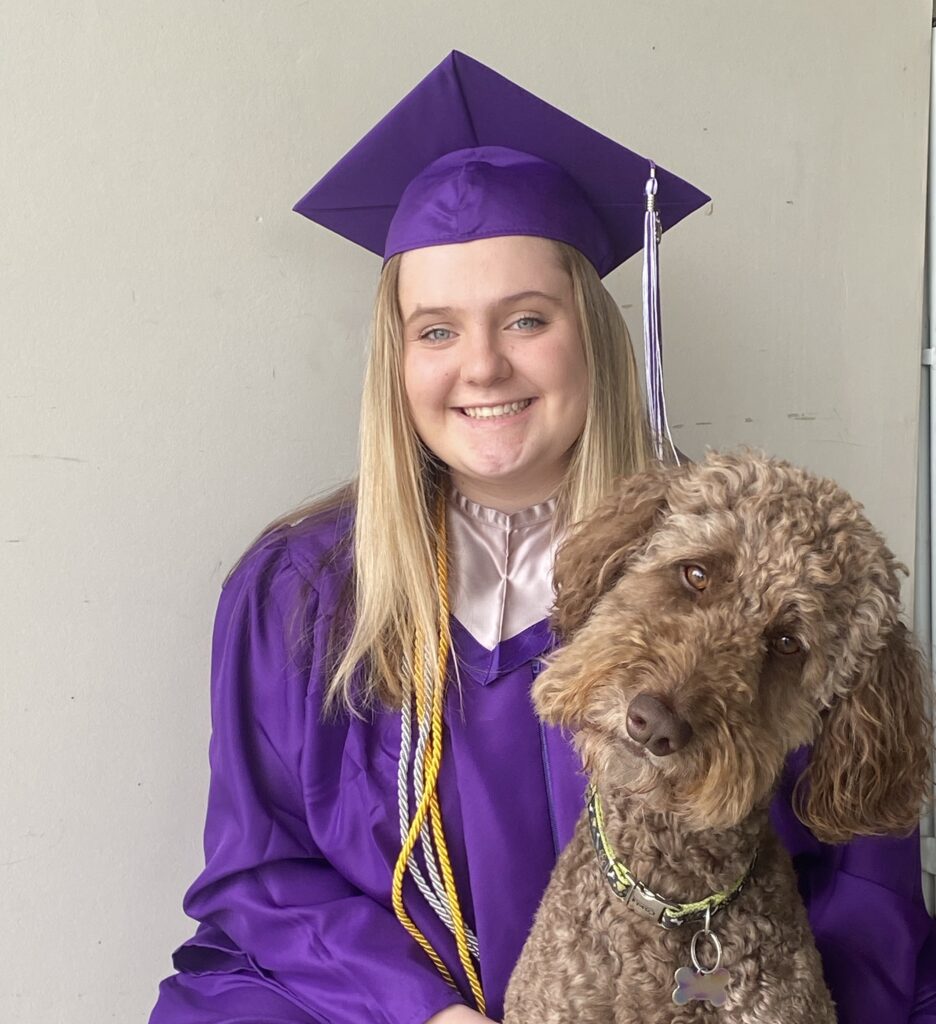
{"points": [[496, 415]]}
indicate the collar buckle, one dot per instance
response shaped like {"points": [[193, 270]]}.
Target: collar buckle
{"points": [[648, 903]]}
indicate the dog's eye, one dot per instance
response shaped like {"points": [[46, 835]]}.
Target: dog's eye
{"points": [[695, 576], [786, 644]]}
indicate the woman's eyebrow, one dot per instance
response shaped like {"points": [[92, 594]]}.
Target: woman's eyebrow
{"points": [[426, 310], [505, 301], [509, 299]]}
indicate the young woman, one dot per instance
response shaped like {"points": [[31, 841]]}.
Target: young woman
{"points": [[385, 809]]}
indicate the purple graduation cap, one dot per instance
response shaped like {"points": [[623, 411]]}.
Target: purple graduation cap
{"points": [[468, 154]]}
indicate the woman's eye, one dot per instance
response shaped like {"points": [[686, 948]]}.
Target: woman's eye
{"points": [[696, 576], [433, 334], [529, 322], [786, 644]]}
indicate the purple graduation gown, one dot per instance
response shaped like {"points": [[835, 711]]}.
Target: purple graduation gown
{"points": [[296, 920]]}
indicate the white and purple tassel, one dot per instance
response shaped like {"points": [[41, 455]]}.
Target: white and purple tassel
{"points": [[653, 332]]}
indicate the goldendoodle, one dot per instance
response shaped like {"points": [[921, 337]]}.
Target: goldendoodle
{"points": [[716, 616]]}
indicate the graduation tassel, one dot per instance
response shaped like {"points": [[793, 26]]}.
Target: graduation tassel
{"points": [[653, 331]]}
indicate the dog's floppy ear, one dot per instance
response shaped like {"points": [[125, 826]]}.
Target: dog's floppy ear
{"points": [[593, 556], [871, 764]]}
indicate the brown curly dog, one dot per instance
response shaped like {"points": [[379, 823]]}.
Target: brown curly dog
{"points": [[717, 616]]}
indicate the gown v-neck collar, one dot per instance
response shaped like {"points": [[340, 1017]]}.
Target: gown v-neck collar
{"points": [[500, 584]]}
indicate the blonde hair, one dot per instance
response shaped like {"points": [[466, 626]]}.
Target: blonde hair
{"points": [[395, 588]]}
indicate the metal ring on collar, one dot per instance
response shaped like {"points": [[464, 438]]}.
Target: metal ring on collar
{"points": [[706, 932]]}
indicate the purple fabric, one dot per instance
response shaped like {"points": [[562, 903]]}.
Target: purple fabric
{"points": [[513, 165], [302, 833], [867, 914], [492, 190], [226, 998]]}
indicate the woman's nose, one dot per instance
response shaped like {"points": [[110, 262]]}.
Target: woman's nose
{"points": [[484, 361]]}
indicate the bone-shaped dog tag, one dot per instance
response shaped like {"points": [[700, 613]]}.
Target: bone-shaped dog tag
{"points": [[692, 984], [705, 984]]}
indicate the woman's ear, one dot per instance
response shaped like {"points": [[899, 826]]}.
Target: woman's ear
{"points": [[870, 767], [592, 558]]}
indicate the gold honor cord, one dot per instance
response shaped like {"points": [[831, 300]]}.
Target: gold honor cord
{"points": [[430, 797]]}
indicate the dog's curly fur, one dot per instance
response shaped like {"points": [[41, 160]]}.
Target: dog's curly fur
{"points": [[786, 554]]}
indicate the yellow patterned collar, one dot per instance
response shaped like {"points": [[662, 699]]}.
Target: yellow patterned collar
{"points": [[636, 894]]}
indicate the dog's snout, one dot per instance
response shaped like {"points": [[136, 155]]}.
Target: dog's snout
{"points": [[654, 726]]}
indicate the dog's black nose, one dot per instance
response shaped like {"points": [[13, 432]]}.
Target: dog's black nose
{"points": [[654, 726]]}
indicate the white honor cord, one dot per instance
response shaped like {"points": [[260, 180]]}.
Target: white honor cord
{"points": [[425, 728], [441, 902], [425, 838], [437, 899]]}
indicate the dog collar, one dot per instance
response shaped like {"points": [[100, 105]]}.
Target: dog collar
{"points": [[633, 892]]}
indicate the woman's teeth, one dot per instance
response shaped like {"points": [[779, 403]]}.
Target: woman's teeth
{"points": [[486, 412]]}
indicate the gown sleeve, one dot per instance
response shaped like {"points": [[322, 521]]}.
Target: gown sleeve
{"points": [[865, 904], [268, 900]]}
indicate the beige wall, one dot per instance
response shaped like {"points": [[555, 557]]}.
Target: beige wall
{"points": [[181, 353]]}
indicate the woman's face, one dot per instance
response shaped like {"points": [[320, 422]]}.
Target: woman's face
{"points": [[493, 365]]}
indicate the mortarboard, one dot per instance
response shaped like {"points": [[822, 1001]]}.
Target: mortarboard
{"points": [[468, 154]]}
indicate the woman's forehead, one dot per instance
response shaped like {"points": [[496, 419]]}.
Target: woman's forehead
{"points": [[482, 272]]}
